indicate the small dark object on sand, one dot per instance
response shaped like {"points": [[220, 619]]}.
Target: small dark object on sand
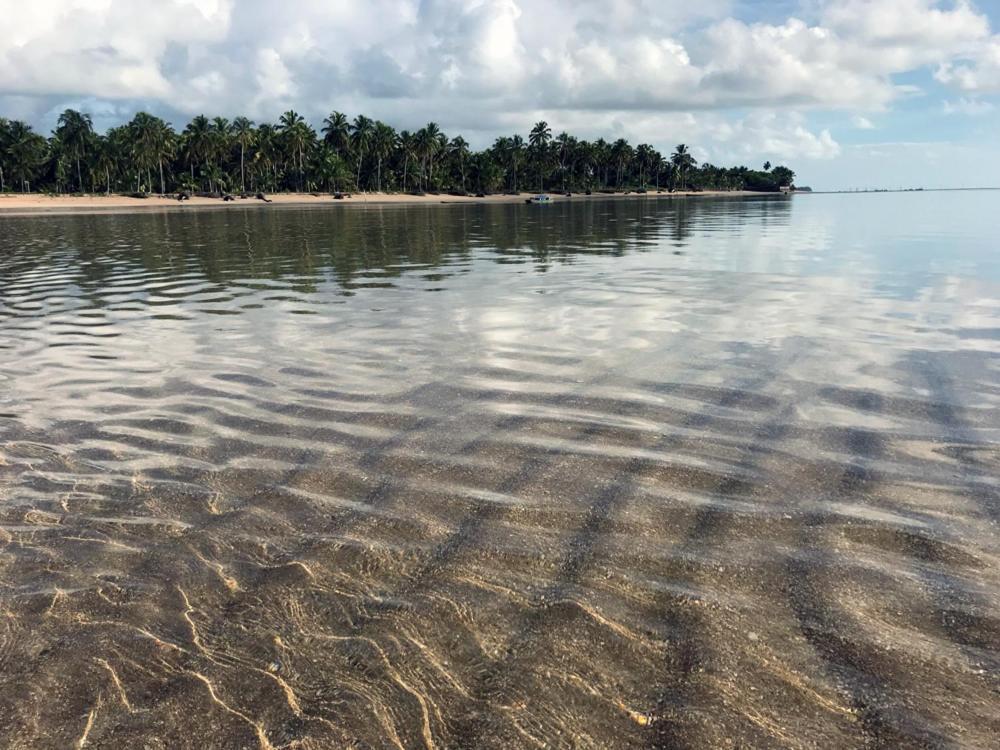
{"points": [[262, 197], [184, 195], [568, 194], [227, 197], [338, 196], [480, 195], [589, 192], [244, 196]]}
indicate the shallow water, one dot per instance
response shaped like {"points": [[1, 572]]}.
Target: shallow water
{"points": [[648, 473]]}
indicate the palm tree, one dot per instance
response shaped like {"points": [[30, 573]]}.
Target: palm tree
{"points": [[644, 156], [152, 143], [459, 149], [26, 151], [104, 159], [267, 155], [222, 131], [362, 130], [383, 141], [76, 132], [4, 145], [298, 136], [539, 139], [245, 136], [621, 153], [566, 146], [337, 132], [198, 140], [682, 161], [516, 151], [428, 144], [406, 144]]}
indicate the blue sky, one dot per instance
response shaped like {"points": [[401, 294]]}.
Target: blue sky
{"points": [[850, 93]]}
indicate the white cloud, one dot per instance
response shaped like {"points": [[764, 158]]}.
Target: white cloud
{"points": [[862, 123], [485, 66], [964, 106], [504, 54], [977, 72]]}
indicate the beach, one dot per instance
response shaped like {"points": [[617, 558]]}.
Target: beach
{"points": [[32, 203]]}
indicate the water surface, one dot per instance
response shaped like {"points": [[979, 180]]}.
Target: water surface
{"points": [[657, 473]]}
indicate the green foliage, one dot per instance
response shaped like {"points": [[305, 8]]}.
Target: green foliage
{"points": [[364, 154]]}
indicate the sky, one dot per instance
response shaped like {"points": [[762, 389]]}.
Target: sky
{"points": [[849, 93]]}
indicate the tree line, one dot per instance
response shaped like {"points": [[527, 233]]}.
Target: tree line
{"points": [[217, 155]]}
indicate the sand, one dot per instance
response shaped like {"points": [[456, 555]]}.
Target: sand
{"points": [[33, 203]]}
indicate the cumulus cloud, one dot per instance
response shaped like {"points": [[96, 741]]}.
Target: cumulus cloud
{"points": [[977, 72], [488, 65]]}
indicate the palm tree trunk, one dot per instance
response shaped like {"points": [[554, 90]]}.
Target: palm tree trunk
{"points": [[79, 180], [163, 187], [243, 182]]}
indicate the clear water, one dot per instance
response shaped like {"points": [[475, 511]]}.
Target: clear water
{"points": [[652, 473]]}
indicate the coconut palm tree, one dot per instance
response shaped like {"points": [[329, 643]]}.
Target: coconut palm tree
{"points": [[683, 162], [329, 168], [459, 150], [428, 143], [429, 140], [406, 145], [198, 142], [297, 136], [75, 131], [362, 130], [222, 130], [152, 144], [26, 151], [383, 141], [4, 145], [621, 154], [245, 136], [267, 156], [516, 155], [644, 157], [337, 132], [539, 139], [104, 159]]}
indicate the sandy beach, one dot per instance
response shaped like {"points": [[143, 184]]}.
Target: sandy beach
{"points": [[33, 203]]}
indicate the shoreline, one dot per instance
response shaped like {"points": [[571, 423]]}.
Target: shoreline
{"points": [[14, 204]]}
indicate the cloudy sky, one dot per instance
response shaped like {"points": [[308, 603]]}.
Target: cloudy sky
{"points": [[850, 93]]}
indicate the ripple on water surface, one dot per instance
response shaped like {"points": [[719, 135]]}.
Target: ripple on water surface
{"points": [[655, 473]]}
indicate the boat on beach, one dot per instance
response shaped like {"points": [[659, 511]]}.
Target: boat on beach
{"points": [[540, 198]]}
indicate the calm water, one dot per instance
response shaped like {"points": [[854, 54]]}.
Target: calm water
{"points": [[648, 474]]}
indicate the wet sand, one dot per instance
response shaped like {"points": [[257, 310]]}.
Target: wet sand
{"points": [[691, 474], [19, 204]]}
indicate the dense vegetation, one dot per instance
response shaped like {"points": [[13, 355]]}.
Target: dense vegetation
{"points": [[148, 155]]}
